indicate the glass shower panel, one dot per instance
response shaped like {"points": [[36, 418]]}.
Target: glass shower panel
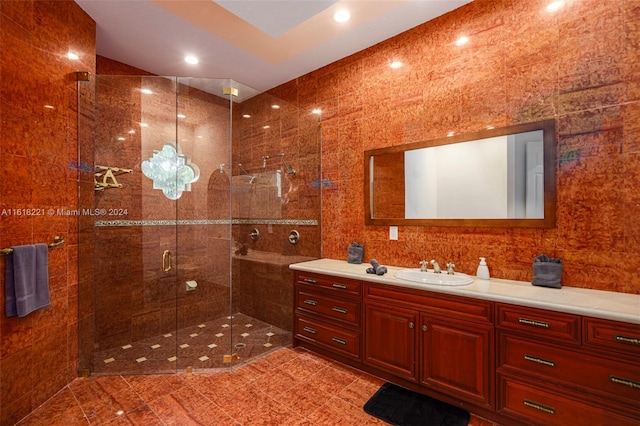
{"points": [[204, 227], [134, 286], [178, 173], [161, 238]]}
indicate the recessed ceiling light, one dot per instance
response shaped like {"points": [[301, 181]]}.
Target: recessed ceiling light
{"points": [[341, 15], [266, 127], [131, 132], [396, 64], [181, 116], [49, 107], [555, 6], [450, 134], [121, 138], [146, 91], [462, 40], [274, 106], [73, 56], [144, 125], [246, 116], [316, 111], [191, 60]]}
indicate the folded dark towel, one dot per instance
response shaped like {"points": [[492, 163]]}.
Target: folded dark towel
{"points": [[356, 253], [27, 280], [547, 272], [376, 268]]}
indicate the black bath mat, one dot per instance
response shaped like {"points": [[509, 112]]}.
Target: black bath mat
{"points": [[402, 407]]}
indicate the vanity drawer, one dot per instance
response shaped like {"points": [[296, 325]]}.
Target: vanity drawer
{"points": [[463, 308], [610, 378], [333, 284], [538, 404], [345, 342], [538, 322], [612, 335], [339, 309]]}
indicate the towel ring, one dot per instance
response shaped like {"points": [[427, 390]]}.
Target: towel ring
{"points": [[57, 241]]}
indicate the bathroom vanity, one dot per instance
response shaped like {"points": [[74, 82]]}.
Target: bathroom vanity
{"points": [[504, 350]]}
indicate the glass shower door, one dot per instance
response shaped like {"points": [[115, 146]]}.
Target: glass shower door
{"points": [[160, 240]]}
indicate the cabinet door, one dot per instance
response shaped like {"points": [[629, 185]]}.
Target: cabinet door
{"points": [[457, 358], [390, 339]]}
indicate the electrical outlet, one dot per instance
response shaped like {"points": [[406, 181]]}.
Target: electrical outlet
{"points": [[393, 232]]}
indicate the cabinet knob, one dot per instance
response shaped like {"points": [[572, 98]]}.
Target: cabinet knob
{"points": [[424, 327], [411, 325]]}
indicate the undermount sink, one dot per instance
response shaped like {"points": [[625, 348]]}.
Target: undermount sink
{"points": [[429, 277]]}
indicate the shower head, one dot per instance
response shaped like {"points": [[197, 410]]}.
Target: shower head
{"points": [[290, 170], [252, 178]]}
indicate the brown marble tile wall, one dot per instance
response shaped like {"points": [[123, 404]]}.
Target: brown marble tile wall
{"points": [[266, 131], [522, 64], [39, 169], [262, 279]]}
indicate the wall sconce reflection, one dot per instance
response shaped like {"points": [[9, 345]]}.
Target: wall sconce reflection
{"points": [[171, 171]]}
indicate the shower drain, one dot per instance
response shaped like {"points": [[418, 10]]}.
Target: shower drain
{"points": [[240, 345]]}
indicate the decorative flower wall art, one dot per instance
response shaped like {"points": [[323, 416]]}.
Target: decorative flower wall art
{"points": [[171, 171]]}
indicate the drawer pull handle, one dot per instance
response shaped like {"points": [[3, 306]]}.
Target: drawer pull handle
{"points": [[310, 280], [534, 323], [339, 340], [310, 330], [539, 407], [424, 327], [310, 302], [539, 360], [411, 325], [340, 310], [625, 339], [341, 286], [622, 381]]}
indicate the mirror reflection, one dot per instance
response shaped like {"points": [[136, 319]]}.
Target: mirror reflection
{"points": [[498, 177]]}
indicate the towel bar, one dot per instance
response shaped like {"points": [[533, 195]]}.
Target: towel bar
{"points": [[57, 241]]}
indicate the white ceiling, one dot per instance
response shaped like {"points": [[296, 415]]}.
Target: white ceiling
{"points": [[259, 43]]}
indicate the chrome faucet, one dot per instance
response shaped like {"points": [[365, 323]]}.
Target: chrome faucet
{"points": [[423, 265], [450, 267], [436, 267]]}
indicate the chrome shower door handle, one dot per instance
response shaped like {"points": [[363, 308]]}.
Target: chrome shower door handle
{"points": [[166, 261]]}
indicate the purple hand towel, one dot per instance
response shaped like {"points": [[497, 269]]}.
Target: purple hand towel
{"points": [[27, 280]]}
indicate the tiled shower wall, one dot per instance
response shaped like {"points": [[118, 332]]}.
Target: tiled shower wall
{"points": [[578, 66], [39, 171]]}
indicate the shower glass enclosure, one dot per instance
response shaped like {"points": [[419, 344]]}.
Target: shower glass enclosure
{"points": [[178, 177]]}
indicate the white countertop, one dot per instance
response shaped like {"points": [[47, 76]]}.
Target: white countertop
{"points": [[594, 303]]}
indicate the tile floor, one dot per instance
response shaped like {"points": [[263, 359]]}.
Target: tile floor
{"points": [[201, 347], [285, 387]]}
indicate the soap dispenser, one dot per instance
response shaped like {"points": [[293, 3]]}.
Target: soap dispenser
{"points": [[483, 270]]}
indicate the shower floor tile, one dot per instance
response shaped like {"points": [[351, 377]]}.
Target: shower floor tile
{"points": [[201, 347]]}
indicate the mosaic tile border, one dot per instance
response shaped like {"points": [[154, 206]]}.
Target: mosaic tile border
{"points": [[152, 222]]}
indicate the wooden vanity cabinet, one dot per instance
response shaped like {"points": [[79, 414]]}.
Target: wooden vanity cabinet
{"points": [[557, 368], [391, 339], [445, 343], [508, 363], [328, 315], [457, 358]]}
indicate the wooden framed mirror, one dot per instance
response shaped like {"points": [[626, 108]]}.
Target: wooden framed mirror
{"points": [[493, 178]]}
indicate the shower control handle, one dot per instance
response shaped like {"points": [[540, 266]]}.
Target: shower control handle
{"points": [[166, 261], [254, 234]]}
